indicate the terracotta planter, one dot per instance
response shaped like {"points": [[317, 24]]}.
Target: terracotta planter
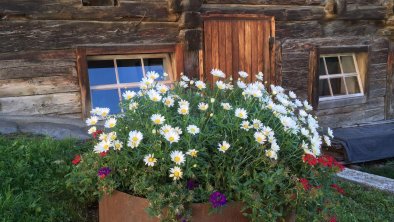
{"points": [[122, 207]]}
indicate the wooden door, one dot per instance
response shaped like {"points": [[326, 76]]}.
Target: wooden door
{"points": [[235, 43]]}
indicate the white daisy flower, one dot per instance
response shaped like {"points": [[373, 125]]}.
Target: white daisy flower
{"points": [[274, 146], [203, 106], [178, 130], [172, 137], [256, 124], [110, 123], [183, 84], [298, 103], [330, 132], [192, 152], [200, 85], [218, 73], [191, 82], [193, 129], [260, 76], [183, 110], [292, 95], [327, 140], [161, 88], [260, 137], [154, 95], [168, 101], [112, 136], [118, 145], [221, 85], [176, 173], [241, 113], [177, 157], [92, 121], [150, 160], [185, 78], [92, 130], [241, 84], [157, 119], [245, 125], [302, 113], [266, 130], [127, 95], [165, 129], [135, 138], [146, 82], [224, 146], [183, 103], [103, 137], [226, 106], [307, 106], [103, 146], [133, 106], [152, 75], [243, 74], [271, 154], [304, 132]]}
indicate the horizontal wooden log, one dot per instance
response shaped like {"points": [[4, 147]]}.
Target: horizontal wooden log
{"points": [[267, 2], [40, 56], [73, 10], [37, 35], [281, 13], [27, 70], [351, 28], [368, 12], [38, 86], [353, 118], [304, 45], [59, 103], [354, 104], [377, 72], [302, 29]]}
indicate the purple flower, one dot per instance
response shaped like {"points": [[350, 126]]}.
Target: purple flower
{"points": [[192, 184], [103, 172], [217, 199]]}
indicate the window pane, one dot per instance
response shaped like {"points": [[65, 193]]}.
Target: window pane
{"points": [[106, 98], [338, 86], [155, 65], [101, 72], [324, 89], [352, 85], [129, 70], [348, 64], [333, 65], [322, 69]]}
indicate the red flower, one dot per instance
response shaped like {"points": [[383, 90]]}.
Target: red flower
{"points": [[97, 133], [333, 219], [326, 161], [310, 159], [103, 154], [338, 188], [305, 183], [340, 166], [76, 159]]}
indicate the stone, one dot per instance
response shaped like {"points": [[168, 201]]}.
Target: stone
{"points": [[8, 127], [368, 180], [57, 131]]}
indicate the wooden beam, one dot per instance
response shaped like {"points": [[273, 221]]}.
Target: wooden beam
{"points": [[313, 77], [82, 69]]}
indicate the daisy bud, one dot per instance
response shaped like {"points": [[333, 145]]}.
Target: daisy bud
{"points": [[195, 165], [191, 82], [165, 74], [154, 131], [212, 100], [211, 114]]}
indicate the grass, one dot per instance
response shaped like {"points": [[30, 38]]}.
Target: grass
{"points": [[32, 185], [385, 169]]}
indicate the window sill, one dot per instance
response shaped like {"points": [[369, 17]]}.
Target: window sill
{"points": [[328, 104]]}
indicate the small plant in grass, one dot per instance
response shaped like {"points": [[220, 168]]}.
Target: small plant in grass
{"points": [[199, 143]]}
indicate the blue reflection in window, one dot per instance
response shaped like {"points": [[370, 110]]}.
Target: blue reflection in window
{"points": [[155, 65], [129, 70], [106, 98], [101, 72]]}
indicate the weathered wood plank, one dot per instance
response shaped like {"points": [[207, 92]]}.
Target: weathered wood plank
{"points": [[27, 70], [241, 46], [215, 47], [368, 12], [208, 50], [255, 54], [235, 49], [313, 78], [73, 10], [248, 49], [59, 103], [38, 86], [304, 29], [37, 35], [267, 2], [228, 50], [222, 46]]}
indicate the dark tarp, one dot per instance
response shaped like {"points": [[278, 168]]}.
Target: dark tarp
{"points": [[367, 143]]}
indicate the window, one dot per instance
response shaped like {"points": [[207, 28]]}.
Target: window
{"points": [[339, 77], [110, 76], [99, 2]]}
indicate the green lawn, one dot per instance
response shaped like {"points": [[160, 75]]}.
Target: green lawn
{"points": [[385, 169], [32, 185]]}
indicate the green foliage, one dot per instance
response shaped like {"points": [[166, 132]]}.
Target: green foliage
{"points": [[32, 183], [385, 169], [265, 175]]}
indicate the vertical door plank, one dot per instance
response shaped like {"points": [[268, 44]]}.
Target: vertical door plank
{"points": [[241, 46], [248, 48], [266, 52], [228, 51], [254, 70], [260, 43], [222, 45], [208, 50], [235, 48], [215, 48]]}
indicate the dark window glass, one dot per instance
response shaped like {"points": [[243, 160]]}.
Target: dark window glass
{"points": [[322, 69], [99, 2], [129, 70], [333, 65], [101, 72], [155, 65], [352, 85], [324, 89], [106, 98], [348, 64], [338, 86]]}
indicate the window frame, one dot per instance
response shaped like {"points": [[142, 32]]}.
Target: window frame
{"points": [[172, 52], [341, 75]]}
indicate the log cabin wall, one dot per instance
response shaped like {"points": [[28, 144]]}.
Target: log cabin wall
{"points": [[302, 25], [38, 41]]}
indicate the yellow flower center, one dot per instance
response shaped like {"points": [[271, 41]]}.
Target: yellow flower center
{"points": [[171, 138], [151, 159], [177, 174], [183, 110], [106, 147], [193, 153], [177, 159], [135, 139], [157, 121], [241, 115]]}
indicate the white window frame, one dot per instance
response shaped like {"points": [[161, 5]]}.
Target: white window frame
{"points": [[342, 75], [119, 86]]}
